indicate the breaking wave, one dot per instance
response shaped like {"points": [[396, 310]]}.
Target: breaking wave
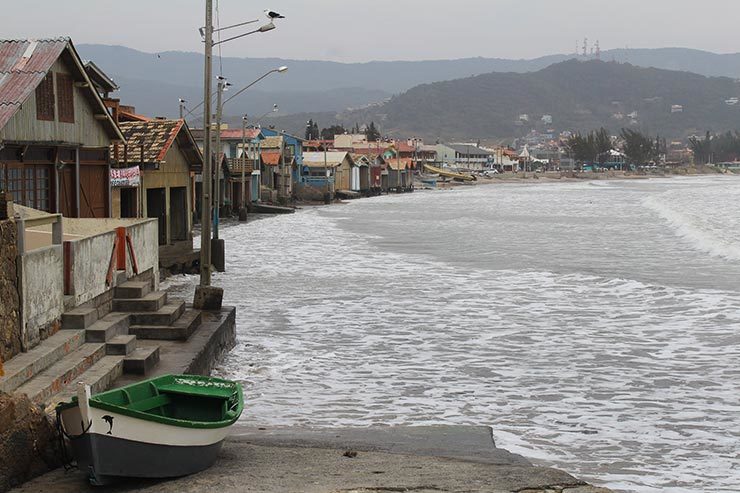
{"points": [[695, 227]]}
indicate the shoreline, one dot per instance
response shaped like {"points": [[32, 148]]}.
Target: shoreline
{"points": [[576, 177]]}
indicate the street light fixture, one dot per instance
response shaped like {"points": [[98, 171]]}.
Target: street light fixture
{"points": [[207, 297], [222, 84]]}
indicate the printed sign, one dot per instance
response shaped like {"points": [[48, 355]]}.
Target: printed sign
{"points": [[125, 177]]}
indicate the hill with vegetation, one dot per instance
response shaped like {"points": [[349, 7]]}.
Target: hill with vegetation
{"points": [[153, 82], [579, 96]]}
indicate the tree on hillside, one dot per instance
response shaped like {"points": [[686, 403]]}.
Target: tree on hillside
{"points": [[329, 133], [372, 133], [638, 147], [312, 130]]}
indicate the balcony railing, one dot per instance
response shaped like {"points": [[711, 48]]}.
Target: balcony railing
{"points": [[237, 164]]}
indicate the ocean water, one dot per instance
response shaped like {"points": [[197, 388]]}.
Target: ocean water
{"points": [[595, 326]]}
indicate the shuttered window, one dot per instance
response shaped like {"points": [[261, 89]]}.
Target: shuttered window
{"points": [[65, 98], [45, 99]]}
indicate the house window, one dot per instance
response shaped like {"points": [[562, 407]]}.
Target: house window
{"points": [[65, 98], [45, 99], [29, 185]]}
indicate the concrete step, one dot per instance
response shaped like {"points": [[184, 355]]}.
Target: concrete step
{"points": [[25, 366], [99, 377], [132, 289], [180, 330], [79, 318], [167, 315], [121, 345], [53, 379], [141, 361], [149, 303], [107, 327]]}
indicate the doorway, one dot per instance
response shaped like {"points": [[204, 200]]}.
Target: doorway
{"points": [[179, 213], [129, 203], [156, 208]]}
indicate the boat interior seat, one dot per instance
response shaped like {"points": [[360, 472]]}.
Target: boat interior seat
{"points": [[145, 405]]}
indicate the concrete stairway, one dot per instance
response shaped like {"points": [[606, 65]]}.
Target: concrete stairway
{"points": [[96, 350]]}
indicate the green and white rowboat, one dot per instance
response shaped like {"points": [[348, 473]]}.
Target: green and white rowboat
{"points": [[163, 427]]}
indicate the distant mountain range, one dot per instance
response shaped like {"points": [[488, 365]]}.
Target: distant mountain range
{"points": [[154, 82], [576, 95]]}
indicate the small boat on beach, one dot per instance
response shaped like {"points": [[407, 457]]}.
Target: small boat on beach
{"points": [[449, 174], [164, 427]]}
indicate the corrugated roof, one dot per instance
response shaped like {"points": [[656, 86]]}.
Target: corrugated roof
{"points": [[360, 160], [316, 159], [469, 150], [23, 65], [230, 133]]}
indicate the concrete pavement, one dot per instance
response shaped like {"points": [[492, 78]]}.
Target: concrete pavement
{"points": [[419, 459]]}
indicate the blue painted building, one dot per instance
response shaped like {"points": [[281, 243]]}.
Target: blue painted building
{"points": [[293, 151]]}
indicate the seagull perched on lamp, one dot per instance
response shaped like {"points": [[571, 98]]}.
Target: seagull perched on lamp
{"points": [[273, 15]]}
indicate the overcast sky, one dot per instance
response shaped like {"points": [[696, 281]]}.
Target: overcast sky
{"points": [[363, 30]]}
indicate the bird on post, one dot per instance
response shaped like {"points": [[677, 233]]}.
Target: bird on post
{"points": [[273, 15]]}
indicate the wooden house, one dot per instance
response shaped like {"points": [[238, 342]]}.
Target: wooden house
{"points": [[343, 172], [169, 158], [55, 130], [360, 174]]}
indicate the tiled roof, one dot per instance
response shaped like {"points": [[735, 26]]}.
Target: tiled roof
{"points": [[369, 151], [403, 163], [272, 143], [149, 141], [23, 65], [403, 147], [271, 158]]}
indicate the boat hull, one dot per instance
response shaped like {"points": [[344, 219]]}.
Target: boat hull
{"points": [[106, 458], [115, 445]]}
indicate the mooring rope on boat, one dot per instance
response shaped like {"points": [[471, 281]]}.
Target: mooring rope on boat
{"points": [[67, 461]]}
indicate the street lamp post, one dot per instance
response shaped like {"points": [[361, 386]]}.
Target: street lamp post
{"points": [[219, 112]]}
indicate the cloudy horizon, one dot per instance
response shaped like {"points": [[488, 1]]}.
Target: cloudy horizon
{"points": [[351, 31]]}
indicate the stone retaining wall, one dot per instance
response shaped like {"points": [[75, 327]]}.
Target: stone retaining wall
{"points": [[10, 326]]}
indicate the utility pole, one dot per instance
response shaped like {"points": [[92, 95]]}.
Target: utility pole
{"points": [[206, 297], [243, 207], [218, 245], [398, 163], [205, 239], [217, 153], [327, 195]]}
